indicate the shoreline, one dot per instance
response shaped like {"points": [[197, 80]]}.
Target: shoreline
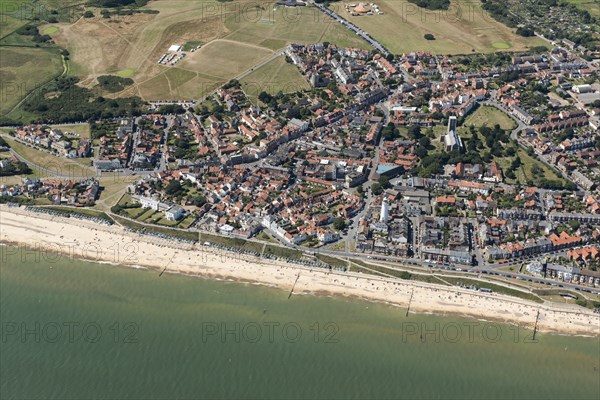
{"points": [[51, 237]]}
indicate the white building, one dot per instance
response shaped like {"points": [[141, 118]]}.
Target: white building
{"points": [[174, 213], [301, 125], [385, 211], [451, 140], [149, 202]]}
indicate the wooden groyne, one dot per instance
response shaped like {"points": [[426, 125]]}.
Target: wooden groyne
{"points": [[294, 285], [412, 292]]}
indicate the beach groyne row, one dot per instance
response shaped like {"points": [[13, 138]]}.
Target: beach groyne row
{"points": [[114, 244]]}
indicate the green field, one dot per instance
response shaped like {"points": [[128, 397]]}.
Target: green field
{"points": [[53, 164], [277, 75], [79, 211], [224, 58], [529, 162], [49, 30], [501, 45], [126, 73], [463, 29], [273, 27], [23, 70], [82, 129], [9, 24], [490, 116], [591, 6], [192, 44]]}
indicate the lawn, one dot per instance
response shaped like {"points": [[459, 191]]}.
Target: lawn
{"points": [[277, 75], [157, 229], [23, 70], [82, 129], [126, 73], [490, 116], [528, 162], [114, 185], [274, 26], [49, 30], [463, 29], [224, 59], [81, 211], [54, 164], [496, 288]]}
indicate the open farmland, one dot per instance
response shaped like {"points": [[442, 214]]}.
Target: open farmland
{"points": [[463, 29], [277, 75], [24, 69]]}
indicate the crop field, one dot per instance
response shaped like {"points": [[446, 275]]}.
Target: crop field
{"points": [[275, 76], [24, 69], [463, 29]]}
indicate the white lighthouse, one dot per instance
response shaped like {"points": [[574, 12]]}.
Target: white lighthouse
{"points": [[385, 210]]}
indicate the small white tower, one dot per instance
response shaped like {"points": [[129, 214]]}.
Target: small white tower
{"points": [[385, 210]]}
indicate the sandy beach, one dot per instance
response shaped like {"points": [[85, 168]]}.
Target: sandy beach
{"points": [[49, 238]]}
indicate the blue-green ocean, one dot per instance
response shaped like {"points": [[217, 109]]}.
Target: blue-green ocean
{"points": [[79, 330]]}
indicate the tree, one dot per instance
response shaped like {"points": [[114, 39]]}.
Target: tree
{"points": [[516, 163], [88, 14], [421, 152], [376, 188], [265, 97], [198, 201], [384, 181], [339, 223], [574, 225], [173, 187], [414, 132], [429, 36]]}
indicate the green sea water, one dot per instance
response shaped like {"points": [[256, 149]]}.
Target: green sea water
{"points": [[78, 330]]}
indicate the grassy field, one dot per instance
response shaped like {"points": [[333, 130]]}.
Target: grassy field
{"points": [[274, 26], [114, 186], [49, 30], [495, 288], [235, 37], [24, 69], [277, 75], [463, 29], [81, 211], [54, 164], [528, 162], [225, 59], [9, 24], [82, 129], [489, 116], [591, 6]]}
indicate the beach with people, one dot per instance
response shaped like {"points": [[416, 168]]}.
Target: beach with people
{"points": [[49, 238]]}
